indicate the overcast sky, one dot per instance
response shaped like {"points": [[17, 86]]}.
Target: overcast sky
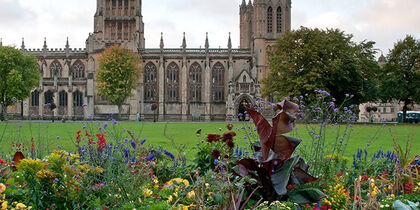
{"points": [[382, 21]]}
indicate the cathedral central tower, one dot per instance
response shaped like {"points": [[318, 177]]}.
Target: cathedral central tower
{"points": [[117, 22]]}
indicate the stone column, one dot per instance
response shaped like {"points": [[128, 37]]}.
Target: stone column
{"points": [[56, 101], [26, 107], [70, 111], [41, 103], [161, 90], [207, 90], [140, 92], [184, 87]]}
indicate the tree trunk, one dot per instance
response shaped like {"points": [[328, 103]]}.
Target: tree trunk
{"points": [[3, 108], [405, 108], [119, 112]]}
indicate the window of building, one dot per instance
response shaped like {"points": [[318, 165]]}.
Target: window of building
{"points": [[49, 97], [195, 82], [392, 110], [270, 20], [63, 98], [55, 69], [279, 20], [218, 82], [78, 98], [114, 3], [150, 82], [172, 82], [78, 70], [35, 98]]}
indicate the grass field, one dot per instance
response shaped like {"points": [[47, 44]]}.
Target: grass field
{"points": [[48, 136]]}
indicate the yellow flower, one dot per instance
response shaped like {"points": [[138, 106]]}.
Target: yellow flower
{"points": [[170, 198], [4, 205], [186, 182], [147, 192], [207, 184], [20, 206], [139, 200], [191, 194], [176, 194], [156, 181], [2, 188]]}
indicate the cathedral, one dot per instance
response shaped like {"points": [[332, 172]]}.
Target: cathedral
{"points": [[181, 83]]}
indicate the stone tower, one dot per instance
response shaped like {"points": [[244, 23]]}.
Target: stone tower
{"points": [[117, 22], [261, 23]]}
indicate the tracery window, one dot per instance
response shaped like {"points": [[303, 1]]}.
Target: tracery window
{"points": [[78, 98], [218, 82], [195, 82], [55, 69], [279, 20], [49, 97], [269, 20], [63, 97], [78, 70], [244, 79], [114, 3], [35, 98], [150, 82], [172, 82]]}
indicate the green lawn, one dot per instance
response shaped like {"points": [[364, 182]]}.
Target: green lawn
{"points": [[45, 134]]}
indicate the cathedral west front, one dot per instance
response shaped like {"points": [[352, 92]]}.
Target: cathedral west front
{"points": [[185, 83]]}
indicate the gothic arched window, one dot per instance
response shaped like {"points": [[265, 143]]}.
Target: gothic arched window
{"points": [[49, 97], [269, 20], [150, 82], [78, 98], [279, 20], [172, 82], [35, 98], [55, 69], [218, 82], [195, 82], [78, 69], [63, 98]]}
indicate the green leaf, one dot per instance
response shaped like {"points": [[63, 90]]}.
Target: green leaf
{"points": [[308, 195]]}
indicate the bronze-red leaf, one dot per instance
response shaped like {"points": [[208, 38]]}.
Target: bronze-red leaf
{"points": [[264, 130], [18, 157]]}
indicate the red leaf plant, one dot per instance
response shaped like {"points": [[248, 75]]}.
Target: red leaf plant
{"points": [[272, 164]]}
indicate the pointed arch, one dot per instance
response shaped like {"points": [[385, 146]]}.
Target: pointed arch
{"points": [[35, 98], [279, 20], [150, 82], [269, 20], [195, 79], [78, 70], [56, 69], [172, 82], [77, 98], [63, 98], [218, 82], [49, 97]]}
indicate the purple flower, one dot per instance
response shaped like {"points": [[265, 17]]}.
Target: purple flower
{"points": [[14, 99], [105, 125], [58, 147], [114, 122], [150, 157], [133, 144], [84, 105], [169, 154], [347, 95], [142, 141], [57, 137]]}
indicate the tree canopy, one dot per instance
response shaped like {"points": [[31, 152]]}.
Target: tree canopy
{"points": [[401, 73], [307, 59], [118, 73], [18, 76]]}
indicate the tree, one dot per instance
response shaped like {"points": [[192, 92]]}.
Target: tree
{"points": [[401, 74], [117, 76], [18, 76], [312, 59]]}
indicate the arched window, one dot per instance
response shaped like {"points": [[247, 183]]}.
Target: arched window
{"points": [[244, 79], [35, 98], [55, 69], [150, 82], [49, 97], [269, 20], [63, 98], [172, 82], [78, 98], [195, 82], [78, 69], [218, 82], [279, 20]]}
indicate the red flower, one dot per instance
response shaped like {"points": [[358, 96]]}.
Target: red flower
{"points": [[365, 178], [230, 144], [228, 136], [213, 137], [229, 126], [215, 154]]}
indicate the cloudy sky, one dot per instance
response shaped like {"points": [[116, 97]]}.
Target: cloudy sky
{"points": [[383, 21]]}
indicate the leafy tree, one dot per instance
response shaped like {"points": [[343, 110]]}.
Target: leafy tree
{"points": [[305, 60], [401, 75], [18, 76], [117, 76]]}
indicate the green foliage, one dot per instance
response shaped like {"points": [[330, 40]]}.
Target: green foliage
{"points": [[311, 59], [119, 70], [18, 76], [401, 75]]}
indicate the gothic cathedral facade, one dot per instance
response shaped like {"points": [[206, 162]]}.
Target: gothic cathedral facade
{"points": [[207, 83]]}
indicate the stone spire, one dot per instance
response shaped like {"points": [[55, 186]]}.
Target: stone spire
{"points": [[243, 3], [161, 41], [229, 42], [67, 43], [250, 4], [1, 42], [22, 47], [184, 42], [45, 44], [206, 45]]}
